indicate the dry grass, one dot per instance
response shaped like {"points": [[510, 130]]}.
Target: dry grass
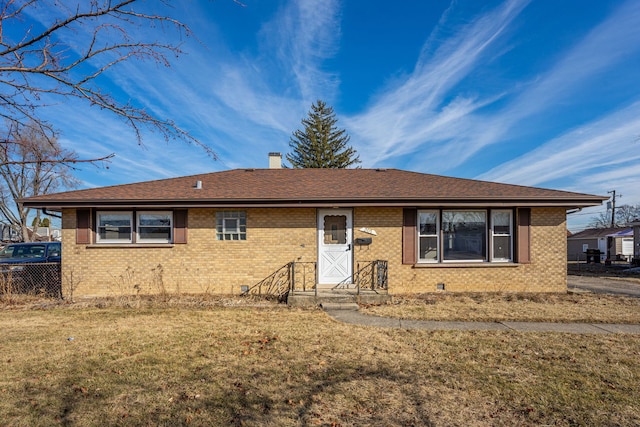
{"points": [[218, 365], [493, 307]]}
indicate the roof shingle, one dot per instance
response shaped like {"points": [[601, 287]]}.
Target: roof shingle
{"points": [[314, 186]]}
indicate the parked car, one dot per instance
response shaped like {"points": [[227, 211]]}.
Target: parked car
{"points": [[32, 268]]}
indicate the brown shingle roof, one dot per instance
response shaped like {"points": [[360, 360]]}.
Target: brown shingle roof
{"points": [[594, 233], [309, 187]]}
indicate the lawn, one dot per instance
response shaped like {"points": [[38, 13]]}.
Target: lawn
{"points": [[500, 307], [197, 363]]}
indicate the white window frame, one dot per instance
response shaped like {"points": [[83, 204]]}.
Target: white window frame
{"points": [[436, 235], [139, 239], [489, 241], [494, 234], [239, 232], [122, 213]]}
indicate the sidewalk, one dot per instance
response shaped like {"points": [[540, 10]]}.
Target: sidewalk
{"points": [[348, 313]]}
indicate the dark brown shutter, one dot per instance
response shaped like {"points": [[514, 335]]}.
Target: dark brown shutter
{"points": [[409, 235], [83, 226], [180, 226], [524, 236]]}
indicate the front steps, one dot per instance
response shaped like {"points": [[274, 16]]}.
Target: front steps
{"points": [[346, 297]]}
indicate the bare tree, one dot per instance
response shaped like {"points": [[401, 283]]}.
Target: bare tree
{"points": [[627, 213], [623, 216], [602, 220], [58, 48], [30, 166]]}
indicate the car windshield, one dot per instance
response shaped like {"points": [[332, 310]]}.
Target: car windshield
{"points": [[23, 251]]}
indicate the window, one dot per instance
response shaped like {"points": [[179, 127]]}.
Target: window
{"points": [[114, 227], [335, 229], [231, 225], [501, 235], [464, 234], [150, 227], [428, 236], [154, 227], [456, 235]]}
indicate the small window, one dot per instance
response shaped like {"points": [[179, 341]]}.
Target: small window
{"points": [[501, 235], [114, 227], [428, 236], [335, 229], [231, 225], [155, 227]]}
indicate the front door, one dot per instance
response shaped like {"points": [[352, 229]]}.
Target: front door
{"points": [[335, 260]]}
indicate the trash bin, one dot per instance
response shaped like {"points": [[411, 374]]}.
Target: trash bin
{"points": [[593, 256]]}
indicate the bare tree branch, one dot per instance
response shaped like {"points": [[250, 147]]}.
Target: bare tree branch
{"points": [[32, 164], [107, 33]]}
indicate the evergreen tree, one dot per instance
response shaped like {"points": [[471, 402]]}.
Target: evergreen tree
{"points": [[320, 144]]}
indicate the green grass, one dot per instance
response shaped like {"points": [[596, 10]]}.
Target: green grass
{"points": [[187, 365]]}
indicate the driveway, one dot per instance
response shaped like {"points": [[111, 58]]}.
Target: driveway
{"points": [[605, 285]]}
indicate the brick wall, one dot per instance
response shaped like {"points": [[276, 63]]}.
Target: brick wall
{"points": [[278, 236], [204, 264], [545, 273]]}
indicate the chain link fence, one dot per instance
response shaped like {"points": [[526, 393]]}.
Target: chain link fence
{"points": [[38, 279]]}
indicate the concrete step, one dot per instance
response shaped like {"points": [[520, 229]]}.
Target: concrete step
{"points": [[330, 306], [309, 298]]}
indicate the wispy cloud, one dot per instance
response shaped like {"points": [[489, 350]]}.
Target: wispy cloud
{"points": [[421, 110], [595, 156], [245, 102], [252, 99], [608, 147], [427, 114]]}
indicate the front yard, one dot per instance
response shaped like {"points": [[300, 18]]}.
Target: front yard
{"points": [[191, 362], [492, 307]]}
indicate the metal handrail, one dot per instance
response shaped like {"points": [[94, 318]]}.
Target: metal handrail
{"points": [[285, 279], [372, 275], [294, 276]]}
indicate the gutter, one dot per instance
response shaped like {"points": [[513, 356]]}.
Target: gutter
{"points": [[47, 212], [573, 205]]}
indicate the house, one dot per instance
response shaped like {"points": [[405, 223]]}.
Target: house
{"points": [[224, 232], [635, 224], [623, 243], [614, 243]]}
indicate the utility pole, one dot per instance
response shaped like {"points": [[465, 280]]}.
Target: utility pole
{"points": [[613, 224], [613, 207]]}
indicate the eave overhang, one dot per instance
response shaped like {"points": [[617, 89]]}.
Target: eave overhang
{"points": [[568, 203]]}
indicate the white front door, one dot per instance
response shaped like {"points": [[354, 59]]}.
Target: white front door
{"points": [[335, 259]]}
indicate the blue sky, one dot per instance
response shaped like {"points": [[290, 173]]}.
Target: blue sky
{"points": [[540, 93]]}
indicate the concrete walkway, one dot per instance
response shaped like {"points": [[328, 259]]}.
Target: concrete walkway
{"points": [[348, 313], [629, 287]]}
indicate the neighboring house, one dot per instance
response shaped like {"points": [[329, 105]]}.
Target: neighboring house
{"points": [[623, 243], [9, 234], [615, 243], [41, 234], [220, 231], [635, 224]]}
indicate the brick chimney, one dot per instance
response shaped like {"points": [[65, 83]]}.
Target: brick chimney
{"points": [[275, 160]]}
